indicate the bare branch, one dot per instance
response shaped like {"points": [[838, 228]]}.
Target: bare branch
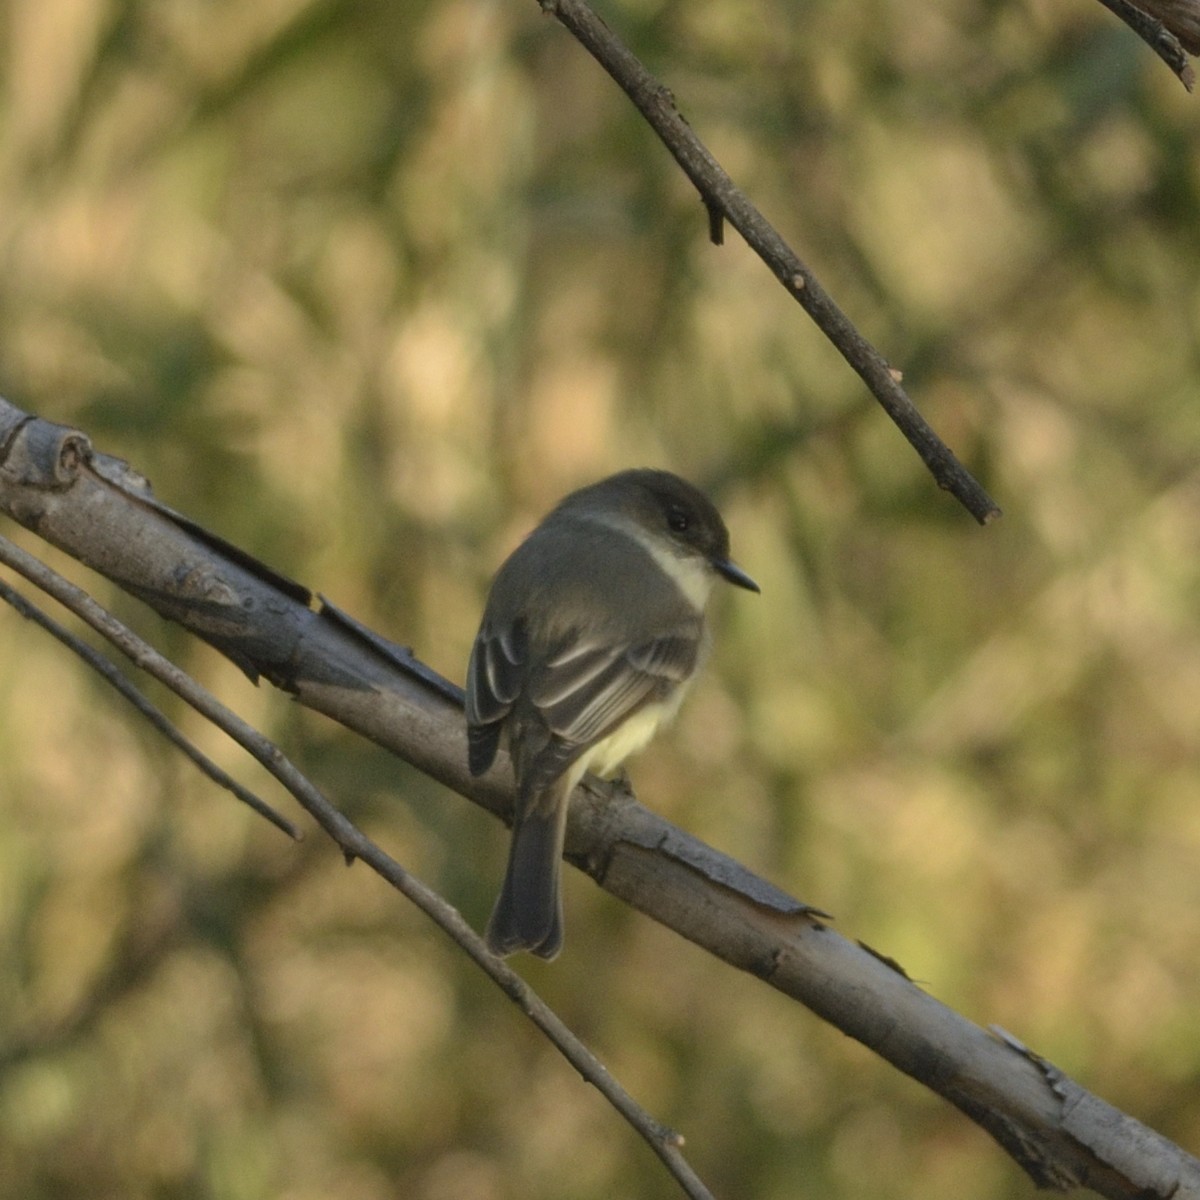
{"points": [[1168, 27], [98, 663], [723, 199], [98, 510], [354, 844], [1181, 17]]}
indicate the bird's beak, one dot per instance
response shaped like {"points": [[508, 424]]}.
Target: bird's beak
{"points": [[735, 574]]}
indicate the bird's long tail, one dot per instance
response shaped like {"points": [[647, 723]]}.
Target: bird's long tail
{"points": [[528, 911]]}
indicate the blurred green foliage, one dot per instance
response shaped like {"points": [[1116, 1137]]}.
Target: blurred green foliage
{"points": [[364, 287]]}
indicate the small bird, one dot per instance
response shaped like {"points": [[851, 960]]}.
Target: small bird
{"points": [[593, 629]]}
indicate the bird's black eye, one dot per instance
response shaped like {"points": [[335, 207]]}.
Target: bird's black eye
{"points": [[678, 520]]}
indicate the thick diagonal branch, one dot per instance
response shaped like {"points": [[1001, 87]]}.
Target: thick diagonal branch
{"points": [[98, 510]]}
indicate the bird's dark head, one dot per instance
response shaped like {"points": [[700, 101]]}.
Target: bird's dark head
{"points": [[670, 510]]}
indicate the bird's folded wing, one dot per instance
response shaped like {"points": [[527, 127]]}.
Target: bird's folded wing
{"points": [[584, 691]]}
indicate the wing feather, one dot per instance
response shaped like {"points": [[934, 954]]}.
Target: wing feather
{"points": [[565, 676], [495, 674], [581, 699], [494, 680], [574, 697]]}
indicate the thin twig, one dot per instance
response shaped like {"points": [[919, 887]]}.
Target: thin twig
{"points": [[722, 197], [143, 655], [665, 1142], [153, 714], [354, 844], [1162, 24]]}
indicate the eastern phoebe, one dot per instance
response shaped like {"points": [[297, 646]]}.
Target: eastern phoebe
{"points": [[593, 629]]}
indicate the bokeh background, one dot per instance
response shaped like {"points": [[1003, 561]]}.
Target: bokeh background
{"points": [[364, 287]]}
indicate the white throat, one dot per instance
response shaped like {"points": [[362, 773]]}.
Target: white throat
{"points": [[693, 576]]}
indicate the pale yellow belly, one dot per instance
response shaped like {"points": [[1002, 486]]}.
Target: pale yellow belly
{"points": [[608, 754]]}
